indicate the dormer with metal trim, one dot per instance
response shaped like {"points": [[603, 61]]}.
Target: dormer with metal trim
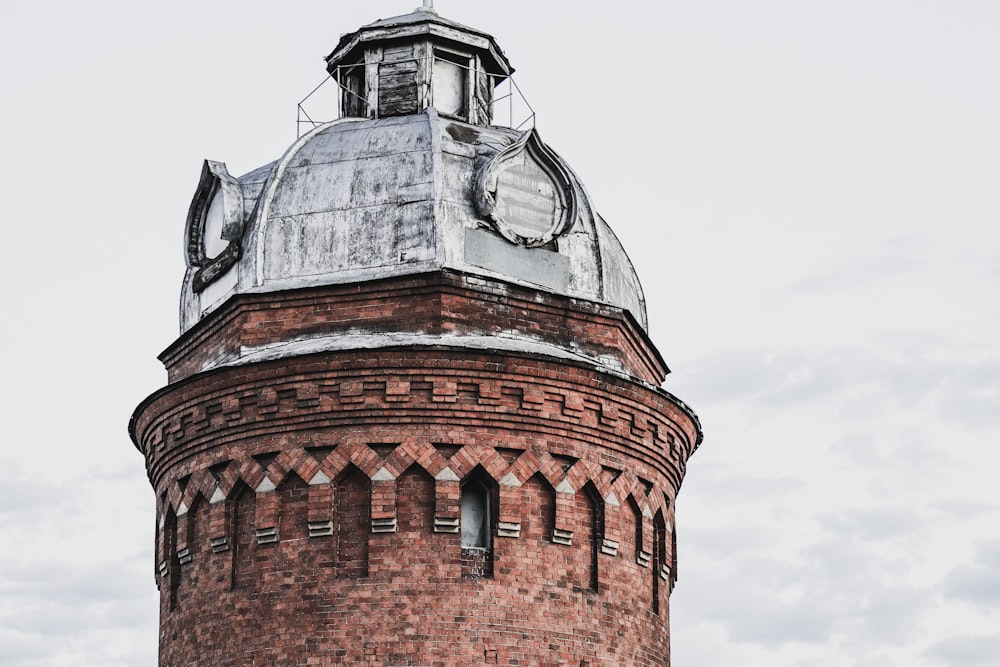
{"points": [[406, 64]]}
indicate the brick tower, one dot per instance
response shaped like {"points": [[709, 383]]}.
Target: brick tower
{"points": [[413, 416]]}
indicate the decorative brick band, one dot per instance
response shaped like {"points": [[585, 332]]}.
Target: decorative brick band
{"points": [[638, 422]]}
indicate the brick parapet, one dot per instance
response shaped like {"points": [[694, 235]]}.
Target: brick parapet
{"points": [[435, 303]]}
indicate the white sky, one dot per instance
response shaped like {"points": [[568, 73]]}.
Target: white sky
{"points": [[808, 189]]}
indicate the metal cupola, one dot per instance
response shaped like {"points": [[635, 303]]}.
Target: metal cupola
{"points": [[406, 64]]}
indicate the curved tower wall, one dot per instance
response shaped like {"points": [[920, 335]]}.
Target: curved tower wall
{"points": [[309, 506], [426, 465]]}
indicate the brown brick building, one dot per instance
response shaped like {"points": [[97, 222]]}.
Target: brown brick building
{"points": [[413, 416]]}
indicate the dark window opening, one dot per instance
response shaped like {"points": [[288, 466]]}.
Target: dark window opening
{"points": [[353, 91], [596, 510], [479, 509], [475, 515], [637, 538], [659, 557], [171, 568], [450, 84]]}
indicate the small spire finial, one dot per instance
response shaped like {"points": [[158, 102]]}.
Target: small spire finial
{"points": [[428, 5]]}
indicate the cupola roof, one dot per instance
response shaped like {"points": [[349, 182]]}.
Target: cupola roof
{"points": [[422, 23]]}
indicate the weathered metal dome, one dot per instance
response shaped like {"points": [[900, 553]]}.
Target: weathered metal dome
{"points": [[414, 177], [359, 199]]}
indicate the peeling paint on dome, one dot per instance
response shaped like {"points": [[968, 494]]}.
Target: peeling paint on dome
{"points": [[359, 200]]}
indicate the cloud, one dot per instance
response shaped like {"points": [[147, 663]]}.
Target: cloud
{"points": [[963, 508], [874, 524], [22, 492], [723, 482], [863, 381], [104, 607], [771, 622], [759, 601], [972, 393], [877, 605], [108, 647], [766, 590], [709, 543], [978, 583], [37, 593], [889, 615], [967, 651], [108, 581], [894, 260]]}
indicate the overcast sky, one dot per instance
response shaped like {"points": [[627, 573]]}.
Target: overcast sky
{"points": [[810, 192]]}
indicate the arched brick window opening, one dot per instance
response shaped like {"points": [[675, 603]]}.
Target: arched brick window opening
{"points": [[353, 523], [413, 546], [242, 575], [158, 542], [191, 559], [673, 557], [636, 536], [414, 503], [170, 567], [476, 516], [539, 502], [595, 516], [479, 510], [659, 557], [293, 494]]}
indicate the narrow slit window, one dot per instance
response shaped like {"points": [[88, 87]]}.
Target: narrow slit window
{"points": [[475, 515]]}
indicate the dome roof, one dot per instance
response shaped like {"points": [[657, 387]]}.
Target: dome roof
{"points": [[363, 199]]}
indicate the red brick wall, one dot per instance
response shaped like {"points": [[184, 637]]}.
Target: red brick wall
{"points": [[317, 498], [432, 303]]}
